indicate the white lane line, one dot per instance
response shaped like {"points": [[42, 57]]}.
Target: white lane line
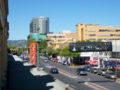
{"points": [[95, 86]]}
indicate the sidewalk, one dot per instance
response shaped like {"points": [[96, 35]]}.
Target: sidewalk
{"points": [[23, 76]]}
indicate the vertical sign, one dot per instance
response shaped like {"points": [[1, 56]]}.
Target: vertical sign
{"points": [[33, 53]]}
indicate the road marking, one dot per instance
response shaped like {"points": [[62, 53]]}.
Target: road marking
{"points": [[63, 72], [73, 86], [95, 86]]}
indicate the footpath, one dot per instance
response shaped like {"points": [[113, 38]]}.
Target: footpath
{"points": [[23, 76]]}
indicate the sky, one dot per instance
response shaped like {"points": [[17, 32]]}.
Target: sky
{"points": [[63, 14]]}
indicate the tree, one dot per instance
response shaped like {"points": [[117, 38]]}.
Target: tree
{"points": [[42, 46], [67, 53], [49, 51], [30, 40]]}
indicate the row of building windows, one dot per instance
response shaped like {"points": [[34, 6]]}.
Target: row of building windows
{"points": [[106, 30], [115, 35], [102, 39], [55, 36], [103, 35], [109, 35], [103, 30], [90, 30]]}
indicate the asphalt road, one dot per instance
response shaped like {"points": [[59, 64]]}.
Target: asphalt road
{"points": [[78, 82], [71, 81]]}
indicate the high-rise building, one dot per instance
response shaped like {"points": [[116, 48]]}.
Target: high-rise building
{"points": [[39, 25]]}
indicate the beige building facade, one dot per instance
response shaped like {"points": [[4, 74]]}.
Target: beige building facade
{"points": [[95, 32], [60, 40], [3, 41], [84, 32]]}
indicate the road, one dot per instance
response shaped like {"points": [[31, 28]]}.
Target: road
{"points": [[78, 82]]}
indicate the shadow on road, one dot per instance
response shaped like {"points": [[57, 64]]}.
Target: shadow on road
{"points": [[20, 78]]}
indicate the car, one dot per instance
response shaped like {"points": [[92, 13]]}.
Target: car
{"points": [[54, 70], [102, 71], [45, 60], [88, 68], [55, 60], [110, 75], [81, 71], [94, 70]]}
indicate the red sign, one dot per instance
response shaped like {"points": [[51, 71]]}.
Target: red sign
{"points": [[33, 53], [92, 62], [117, 67]]}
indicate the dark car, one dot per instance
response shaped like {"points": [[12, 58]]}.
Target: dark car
{"points": [[54, 70], [81, 71], [110, 75], [94, 70], [88, 68], [102, 71]]}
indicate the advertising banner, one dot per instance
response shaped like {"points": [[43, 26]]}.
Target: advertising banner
{"points": [[90, 46], [33, 54]]}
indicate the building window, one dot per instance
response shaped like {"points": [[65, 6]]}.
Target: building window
{"points": [[92, 34], [115, 35], [104, 35], [91, 30], [106, 30], [117, 30]]}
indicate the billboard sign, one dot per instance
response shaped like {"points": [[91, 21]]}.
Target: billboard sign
{"points": [[32, 48], [90, 46]]}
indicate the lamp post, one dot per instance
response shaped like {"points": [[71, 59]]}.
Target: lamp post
{"points": [[37, 58], [37, 52]]}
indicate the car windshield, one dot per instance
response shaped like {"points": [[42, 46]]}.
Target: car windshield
{"points": [[82, 69], [103, 69], [111, 73]]}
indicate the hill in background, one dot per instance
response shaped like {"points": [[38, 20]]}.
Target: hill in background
{"points": [[18, 43]]}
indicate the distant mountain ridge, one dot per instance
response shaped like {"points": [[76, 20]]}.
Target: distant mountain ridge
{"points": [[18, 43]]}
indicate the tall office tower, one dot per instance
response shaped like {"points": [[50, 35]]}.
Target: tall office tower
{"points": [[39, 25]]}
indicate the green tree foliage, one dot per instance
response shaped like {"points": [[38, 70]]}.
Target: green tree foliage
{"points": [[30, 40], [118, 73], [67, 53], [42, 46], [49, 51], [15, 50]]}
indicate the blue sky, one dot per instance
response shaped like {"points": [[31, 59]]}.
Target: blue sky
{"points": [[63, 14]]}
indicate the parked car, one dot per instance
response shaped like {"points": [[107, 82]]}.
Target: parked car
{"points": [[94, 70], [111, 75], [45, 60], [81, 71], [88, 68], [102, 71], [55, 60], [54, 70]]}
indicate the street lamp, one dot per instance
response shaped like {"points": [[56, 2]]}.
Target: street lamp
{"points": [[38, 56]]}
